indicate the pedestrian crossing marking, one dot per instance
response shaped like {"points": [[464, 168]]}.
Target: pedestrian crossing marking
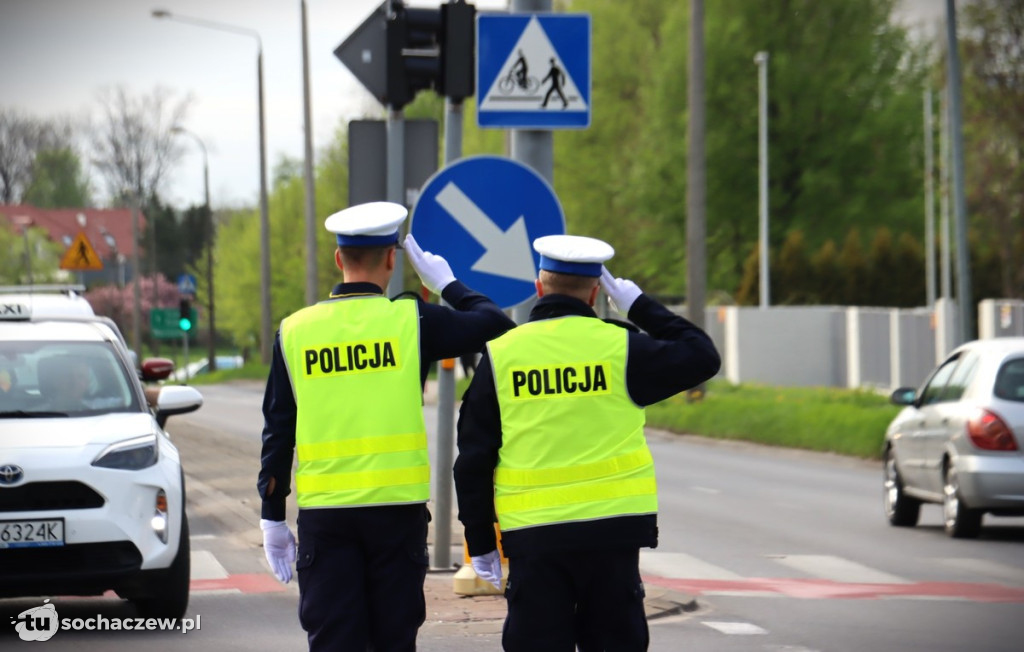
{"points": [[837, 569], [742, 629], [205, 566], [1002, 572], [680, 564]]}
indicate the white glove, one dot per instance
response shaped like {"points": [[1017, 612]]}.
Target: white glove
{"points": [[433, 270], [622, 292], [488, 567], [279, 546]]}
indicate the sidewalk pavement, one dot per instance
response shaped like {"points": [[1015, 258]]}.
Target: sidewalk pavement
{"points": [[448, 613]]}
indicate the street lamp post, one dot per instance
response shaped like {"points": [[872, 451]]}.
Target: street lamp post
{"points": [[211, 345], [761, 59], [265, 331], [24, 222], [112, 243]]}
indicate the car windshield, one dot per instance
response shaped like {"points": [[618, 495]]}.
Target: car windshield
{"points": [[42, 379], [1010, 381]]}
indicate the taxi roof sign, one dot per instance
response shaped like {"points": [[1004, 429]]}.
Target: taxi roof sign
{"points": [[14, 311], [81, 256]]}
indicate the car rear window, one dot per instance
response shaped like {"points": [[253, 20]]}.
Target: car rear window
{"points": [[1010, 381]]}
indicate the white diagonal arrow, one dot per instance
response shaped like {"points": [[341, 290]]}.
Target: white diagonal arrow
{"points": [[507, 253]]}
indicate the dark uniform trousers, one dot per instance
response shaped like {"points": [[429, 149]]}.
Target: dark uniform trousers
{"points": [[590, 599], [361, 573]]}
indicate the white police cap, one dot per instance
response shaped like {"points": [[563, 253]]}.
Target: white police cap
{"points": [[372, 224], [572, 254]]}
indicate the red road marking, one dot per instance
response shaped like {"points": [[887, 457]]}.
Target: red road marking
{"points": [[828, 589], [243, 582]]}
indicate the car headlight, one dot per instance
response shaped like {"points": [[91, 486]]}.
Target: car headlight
{"points": [[131, 454]]}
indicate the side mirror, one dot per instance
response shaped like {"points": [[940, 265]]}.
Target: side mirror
{"points": [[154, 369], [903, 396], [176, 399]]}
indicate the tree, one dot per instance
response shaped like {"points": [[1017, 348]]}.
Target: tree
{"points": [[133, 143], [58, 181], [45, 255], [791, 277], [21, 139], [993, 49]]}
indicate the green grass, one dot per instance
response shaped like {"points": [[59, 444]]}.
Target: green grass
{"points": [[848, 422], [250, 371]]}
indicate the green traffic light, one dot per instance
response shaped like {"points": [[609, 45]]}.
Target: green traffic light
{"points": [[185, 324]]}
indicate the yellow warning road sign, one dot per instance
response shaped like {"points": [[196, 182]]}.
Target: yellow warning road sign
{"points": [[80, 256]]}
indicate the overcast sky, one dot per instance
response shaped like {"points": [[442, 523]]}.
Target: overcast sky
{"points": [[57, 54]]}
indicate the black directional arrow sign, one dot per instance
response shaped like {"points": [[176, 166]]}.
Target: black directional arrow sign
{"points": [[364, 53]]}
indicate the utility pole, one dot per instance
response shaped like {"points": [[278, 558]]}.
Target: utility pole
{"points": [[963, 254], [696, 267], [311, 257], [929, 202], [761, 59]]}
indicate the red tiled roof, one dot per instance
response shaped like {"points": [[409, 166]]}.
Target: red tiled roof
{"points": [[63, 222]]}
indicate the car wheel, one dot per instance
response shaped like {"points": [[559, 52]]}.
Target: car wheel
{"points": [[900, 509], [170, 587], [961, 521]]}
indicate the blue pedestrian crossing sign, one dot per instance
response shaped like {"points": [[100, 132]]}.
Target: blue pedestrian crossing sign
{"points": [[482, 214], [533, 71], [187, 284]]}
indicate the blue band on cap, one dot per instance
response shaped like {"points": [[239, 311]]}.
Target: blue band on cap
{"points": [[366, 240], [562, 267]]}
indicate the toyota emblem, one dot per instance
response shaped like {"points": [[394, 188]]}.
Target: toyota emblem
{"points": [[10, 474]]}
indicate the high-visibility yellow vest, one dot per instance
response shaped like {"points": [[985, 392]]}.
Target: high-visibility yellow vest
{"points": [[573, 446], [360, 438]]}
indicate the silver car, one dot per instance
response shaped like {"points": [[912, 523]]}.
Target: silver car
{"points": [[958, 440]]}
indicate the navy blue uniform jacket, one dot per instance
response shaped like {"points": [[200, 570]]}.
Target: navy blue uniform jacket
{"points": [[672, 356], [472, 320]]}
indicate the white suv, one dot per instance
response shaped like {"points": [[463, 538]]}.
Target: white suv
{"points": [[92, 494]]}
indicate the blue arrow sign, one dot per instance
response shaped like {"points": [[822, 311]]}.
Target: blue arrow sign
{"points": [[533, 70], [482, 214]]}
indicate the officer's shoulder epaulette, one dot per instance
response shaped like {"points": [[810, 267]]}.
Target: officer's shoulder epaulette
{"points": [[621, 324]]}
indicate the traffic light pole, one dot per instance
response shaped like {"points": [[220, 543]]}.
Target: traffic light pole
{"points": [[184, 345], [396, 171], [446, 387]]}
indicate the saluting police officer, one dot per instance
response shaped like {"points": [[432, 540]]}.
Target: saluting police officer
{"points": [[345, 395], [551, 440]]}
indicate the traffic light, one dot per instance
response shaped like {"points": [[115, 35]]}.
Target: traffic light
{"points": [[185, 315], [430, 48]]}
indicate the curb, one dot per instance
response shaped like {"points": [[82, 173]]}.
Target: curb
{"points": [[485, 613]]}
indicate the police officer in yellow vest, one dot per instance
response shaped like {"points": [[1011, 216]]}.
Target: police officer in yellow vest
{"points": [[345, 395], [551, 441]]}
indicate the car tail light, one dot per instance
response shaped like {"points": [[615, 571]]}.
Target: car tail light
{"points": [[989, 432]]}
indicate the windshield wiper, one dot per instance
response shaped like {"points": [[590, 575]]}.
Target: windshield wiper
{"points": [[25, 414]]}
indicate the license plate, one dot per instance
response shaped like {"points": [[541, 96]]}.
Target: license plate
{"points": [[32, 533]]}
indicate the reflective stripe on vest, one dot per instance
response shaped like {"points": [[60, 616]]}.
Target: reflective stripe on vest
{"points": [[360, 438], [573, 447]]}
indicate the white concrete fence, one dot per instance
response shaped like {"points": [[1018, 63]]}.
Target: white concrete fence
{"points": [[836, 346]]}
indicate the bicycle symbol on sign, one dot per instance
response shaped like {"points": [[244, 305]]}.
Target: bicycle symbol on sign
{"points": [[518, 79]]}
